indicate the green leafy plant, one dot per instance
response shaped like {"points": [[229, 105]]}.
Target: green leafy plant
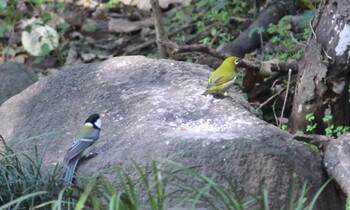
{"points": [[219, 12], [299, 132], [212, 20], [310, 128], [111, 3], [284, 127], [348, 204], [331, 130], [284, 43]]}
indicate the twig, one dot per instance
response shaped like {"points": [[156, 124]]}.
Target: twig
{"points": [[329, 57], [160, 34], [312, 29], [285, 98], [153, 40], [296, 41], [140, 46], [250, 65], [215, 37], [262, 44], [273, 96], [192, 48], [320, 141], [275, 67], [269, 99], [274, 111]]}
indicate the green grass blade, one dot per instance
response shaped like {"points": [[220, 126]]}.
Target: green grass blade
{"points": [[318, 193], [81, 202], [21, 199]]}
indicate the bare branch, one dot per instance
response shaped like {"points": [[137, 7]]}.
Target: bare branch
{"points": [[320, 141], [160, 33], [176, 49]]}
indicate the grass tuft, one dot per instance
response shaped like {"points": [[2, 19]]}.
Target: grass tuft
{"points": [[25, 183]]}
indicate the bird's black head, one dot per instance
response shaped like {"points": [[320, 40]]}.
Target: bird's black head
{"points": [[95, 120]]}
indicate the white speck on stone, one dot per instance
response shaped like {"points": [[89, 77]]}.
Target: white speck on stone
{"points": [[330, 41], [344, 40], [167, 142], [172, 124]]}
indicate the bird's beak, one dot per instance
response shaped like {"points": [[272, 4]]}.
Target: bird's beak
{"points": [[238, 61]]}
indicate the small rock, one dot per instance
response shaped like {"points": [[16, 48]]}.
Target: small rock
{"points": [[14, 78]]}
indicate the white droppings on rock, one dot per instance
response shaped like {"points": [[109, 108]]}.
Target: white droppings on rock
{"points": [[172, 124]]}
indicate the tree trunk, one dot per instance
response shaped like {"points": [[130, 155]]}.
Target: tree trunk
{"points": [[323, 78]]}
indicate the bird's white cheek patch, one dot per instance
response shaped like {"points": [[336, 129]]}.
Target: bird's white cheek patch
{"points": [[98, 123]]}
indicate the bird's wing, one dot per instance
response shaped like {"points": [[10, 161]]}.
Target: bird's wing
{"points": [[214, 82], [78, 146]]}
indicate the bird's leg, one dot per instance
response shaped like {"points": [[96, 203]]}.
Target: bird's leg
{"points": [[89, 155], [219, 95]]}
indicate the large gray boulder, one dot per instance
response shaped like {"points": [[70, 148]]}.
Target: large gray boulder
{"points": [[14, 78], [154, 109]]}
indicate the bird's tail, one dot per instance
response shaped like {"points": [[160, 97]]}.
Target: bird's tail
{"points": [[67, 177]]}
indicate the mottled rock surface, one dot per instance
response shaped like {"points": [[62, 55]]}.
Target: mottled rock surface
{"points": [[154, 109]]}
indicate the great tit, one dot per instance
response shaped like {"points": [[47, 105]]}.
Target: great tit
{"points": [[87, 135]]}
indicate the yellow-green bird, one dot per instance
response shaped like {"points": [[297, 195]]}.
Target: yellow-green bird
{"points": [[223, 77]]}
